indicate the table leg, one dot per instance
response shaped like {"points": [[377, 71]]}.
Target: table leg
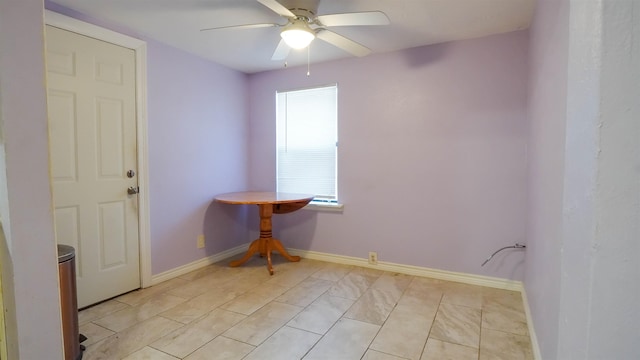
{"points": [[269, 265], [253, 248], [277, 246], [265, 244]]}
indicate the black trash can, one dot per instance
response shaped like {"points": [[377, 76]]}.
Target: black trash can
{"points": [[69, 302]]}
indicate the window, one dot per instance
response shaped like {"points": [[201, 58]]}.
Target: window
{"points": [[306, 142]]}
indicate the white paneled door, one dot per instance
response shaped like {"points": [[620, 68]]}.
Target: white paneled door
{"points": [[93, 151]]}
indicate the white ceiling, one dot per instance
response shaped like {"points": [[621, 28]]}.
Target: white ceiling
{"points": [[413, 23]]}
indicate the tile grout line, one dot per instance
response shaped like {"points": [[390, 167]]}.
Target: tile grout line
{"points": [[303, 309], [285, 324], [480, 332], [424, 347], [288, 288]]}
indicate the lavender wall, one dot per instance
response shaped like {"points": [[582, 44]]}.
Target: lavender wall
{"points": [[197, 120], [547, 121], [431, 158], [600, 274], [582, 276], [197, 149], [29, 255]]}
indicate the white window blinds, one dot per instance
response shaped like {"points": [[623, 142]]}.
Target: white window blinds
{"points": [[306, 142]]}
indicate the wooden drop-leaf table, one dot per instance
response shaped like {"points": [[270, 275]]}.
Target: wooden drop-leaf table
{"points": [[269, 203]]}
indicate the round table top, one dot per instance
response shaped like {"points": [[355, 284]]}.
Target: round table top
{"points": [[262, 197]]}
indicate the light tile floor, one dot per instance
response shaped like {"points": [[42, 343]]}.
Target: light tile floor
{"points": [[307, 310]]}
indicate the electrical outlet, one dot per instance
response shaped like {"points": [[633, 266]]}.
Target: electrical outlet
{"points": [[200, 241], [373, 258]]}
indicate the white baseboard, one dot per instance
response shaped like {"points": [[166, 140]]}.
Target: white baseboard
{"points": [[532, 333], [349, 260], [435, 274], [382, 265], [413, 270], [184, 269]]}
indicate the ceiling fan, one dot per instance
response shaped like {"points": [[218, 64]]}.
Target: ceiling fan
{"points": [[304, 24]]}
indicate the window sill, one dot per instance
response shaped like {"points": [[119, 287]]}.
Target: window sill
{"points": [[319, 206]]}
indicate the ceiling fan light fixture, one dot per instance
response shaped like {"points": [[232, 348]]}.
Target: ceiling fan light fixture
{"points": [[298, 34]]}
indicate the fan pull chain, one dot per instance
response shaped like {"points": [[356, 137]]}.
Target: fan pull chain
{"points": [[308, 57]]}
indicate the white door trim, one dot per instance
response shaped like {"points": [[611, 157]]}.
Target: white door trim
{"points": [[140, 49]]}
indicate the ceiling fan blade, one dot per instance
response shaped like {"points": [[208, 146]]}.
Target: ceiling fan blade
{"points": [[343, 43], [282, 51], [246, 26], [277, 8], [352, 19]]}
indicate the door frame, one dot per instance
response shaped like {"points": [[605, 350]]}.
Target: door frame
{"points": [[140, 49]]}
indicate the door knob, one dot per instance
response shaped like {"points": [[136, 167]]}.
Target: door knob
{"points": [[131, 174], [132, 190]]}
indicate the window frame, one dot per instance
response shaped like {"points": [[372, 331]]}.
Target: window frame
{"points": [[320, 202]]}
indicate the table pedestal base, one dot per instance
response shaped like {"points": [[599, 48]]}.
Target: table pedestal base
{"points": [[265, 244]]}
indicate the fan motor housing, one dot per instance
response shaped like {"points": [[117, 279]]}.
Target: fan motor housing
{"points": [[302, 8]]}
